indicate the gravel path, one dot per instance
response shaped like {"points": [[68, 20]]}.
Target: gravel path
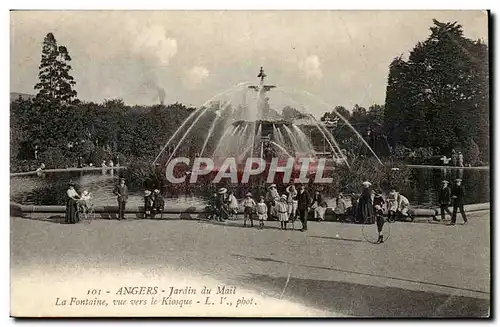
{"points": [[422, 270]]}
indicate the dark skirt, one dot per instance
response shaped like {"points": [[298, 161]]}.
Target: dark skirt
{"points": [[71, 212], [364, 212]]}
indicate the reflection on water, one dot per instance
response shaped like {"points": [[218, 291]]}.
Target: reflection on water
{"points": [[51, 188]]}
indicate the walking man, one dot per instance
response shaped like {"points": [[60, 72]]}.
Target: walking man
{"points": [[303, 204], [457, 195], [121, 191], [444, 199]]}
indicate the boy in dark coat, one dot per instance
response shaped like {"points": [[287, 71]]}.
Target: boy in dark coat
{"points": [[444, 198], [303, 204], [121, 191], [457, 195]]}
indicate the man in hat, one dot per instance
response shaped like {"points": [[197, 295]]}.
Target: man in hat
{"points": [[121, 191], [303, 205], [444, 198], [457, 195], [220, 203]]}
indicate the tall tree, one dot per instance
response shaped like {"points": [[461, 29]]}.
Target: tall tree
{"points": [[55, 82], [439, 97]]}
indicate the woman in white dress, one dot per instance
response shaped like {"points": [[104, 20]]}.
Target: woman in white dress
{"points": [[292, 203], [233, 204], [261, 212]]}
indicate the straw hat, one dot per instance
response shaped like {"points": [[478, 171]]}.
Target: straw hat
{"points": [[367, 184], [458, 180], [248, 195], [284, 197], [147, 193], [222, 190], [157, 191], [444, 182]]}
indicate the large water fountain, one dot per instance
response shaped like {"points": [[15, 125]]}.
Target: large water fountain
{"points": [[241, 123], [246, 121]]}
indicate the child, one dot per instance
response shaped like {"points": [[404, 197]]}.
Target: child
{"points": [[233, 204], [392, 205], [158, 203], [248, 205], [292, 204], [85, 200], [281, 208], [340, 207], [261, 212], [148, 203], [378, 202]]}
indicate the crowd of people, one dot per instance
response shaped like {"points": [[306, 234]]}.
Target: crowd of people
{"points": [[370, 207]]}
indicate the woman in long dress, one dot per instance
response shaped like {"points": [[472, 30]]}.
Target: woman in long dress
{"points": [[71, 205], [364, 212], [281, 208], [292, 203]]}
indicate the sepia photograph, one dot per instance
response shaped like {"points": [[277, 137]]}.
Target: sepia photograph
{"points": [[250, 163]]}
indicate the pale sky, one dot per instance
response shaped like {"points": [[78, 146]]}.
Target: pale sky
{"points": [[340, 56]]}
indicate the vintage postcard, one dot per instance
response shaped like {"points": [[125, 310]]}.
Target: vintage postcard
{"points": [[250, 164]]}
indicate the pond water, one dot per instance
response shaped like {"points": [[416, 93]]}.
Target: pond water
{"points": [[50, 189]]}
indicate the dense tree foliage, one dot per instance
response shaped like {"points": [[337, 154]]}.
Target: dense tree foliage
{"points": [[438, 98], [436, 101]]}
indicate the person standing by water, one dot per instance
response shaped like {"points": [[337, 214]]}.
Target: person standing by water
{"points": [[364, 212], [378, 210], [220, 204], [460, 159], [454, 158], [340, 207], [148, 203], [272, 196], [71, 205], [248, 207], [121, 191], [282, 211], [457, 195], [292, 203], [261, 212], [319, 206], [158, 203], [303, 205], [444, 198], [233, 204]]}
